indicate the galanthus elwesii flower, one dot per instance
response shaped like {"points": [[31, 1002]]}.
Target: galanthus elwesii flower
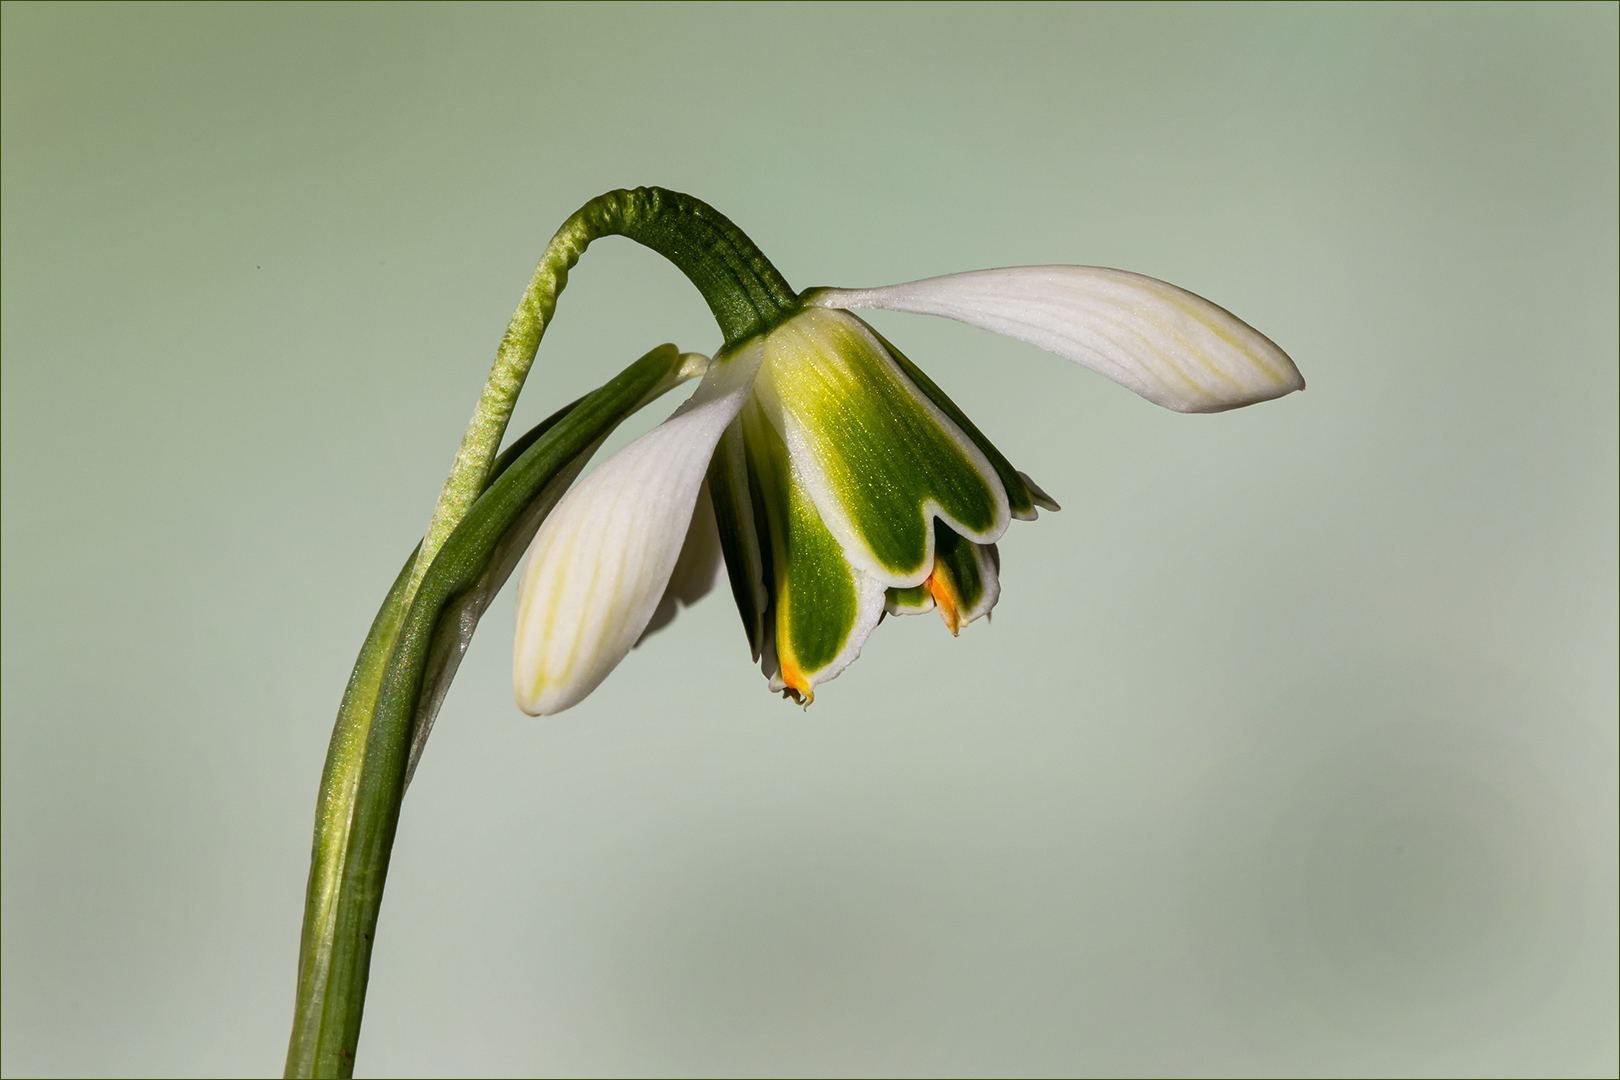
{"points": [[832, 479], [844, 484]]}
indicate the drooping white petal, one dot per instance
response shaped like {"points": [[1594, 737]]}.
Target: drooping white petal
{"points": [[1171, 346], [600, 563]]}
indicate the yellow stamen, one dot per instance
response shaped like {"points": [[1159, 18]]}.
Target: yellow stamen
{"points": [[939, 587], [798, 687]]}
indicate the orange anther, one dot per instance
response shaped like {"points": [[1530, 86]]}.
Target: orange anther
{"points": [[797, 685], [939, 588]]}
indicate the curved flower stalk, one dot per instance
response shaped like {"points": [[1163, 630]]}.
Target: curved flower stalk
{"points": [[815, 467], [845, 484]]}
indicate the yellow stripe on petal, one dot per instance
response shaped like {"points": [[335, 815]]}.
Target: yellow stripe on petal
{"points": [[822, 608]]}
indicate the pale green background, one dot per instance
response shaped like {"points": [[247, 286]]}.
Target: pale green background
{"points": [[1291, 748]]}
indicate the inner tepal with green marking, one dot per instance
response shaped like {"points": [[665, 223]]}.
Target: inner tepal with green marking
{"points": [[860, 474]]}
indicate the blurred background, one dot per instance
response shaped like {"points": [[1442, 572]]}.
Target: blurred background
{"points": [[1291, 748]]}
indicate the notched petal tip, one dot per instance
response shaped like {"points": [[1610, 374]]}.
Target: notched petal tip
{"points": [[916, 600], [847, 410]]}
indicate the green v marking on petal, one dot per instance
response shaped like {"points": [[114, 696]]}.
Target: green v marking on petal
{"points": [[873, 444], [1018, 497]]}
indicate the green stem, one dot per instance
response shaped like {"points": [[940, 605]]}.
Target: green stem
{"points": [[742, 288], [340, 779]]}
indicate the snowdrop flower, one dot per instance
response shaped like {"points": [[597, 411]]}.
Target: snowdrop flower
{"points": [[839, 483], [831, 479]]}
